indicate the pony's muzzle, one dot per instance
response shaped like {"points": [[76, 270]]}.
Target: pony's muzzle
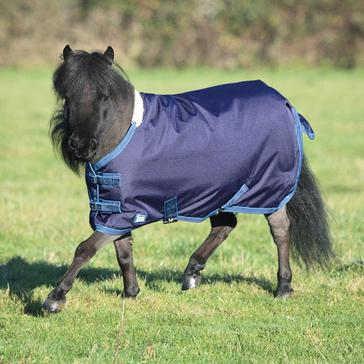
{"points": [[81, 149]]}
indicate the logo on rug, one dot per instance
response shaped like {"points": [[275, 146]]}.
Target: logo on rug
{"points": [[140, 218]]}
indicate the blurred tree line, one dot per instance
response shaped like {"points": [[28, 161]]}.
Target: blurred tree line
{"points": [[216, 33]]}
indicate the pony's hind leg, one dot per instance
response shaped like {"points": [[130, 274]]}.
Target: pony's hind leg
{"points": [[84, 252], [221, 226], [279, 227], [124, 255]]}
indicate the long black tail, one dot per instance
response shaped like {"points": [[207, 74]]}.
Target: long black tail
{"points": [[309, 231]]}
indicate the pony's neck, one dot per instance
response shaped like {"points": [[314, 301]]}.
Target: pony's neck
{"points": [[119, 124]]}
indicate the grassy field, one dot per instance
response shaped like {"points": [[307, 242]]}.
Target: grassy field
{"points": [[232, 317]]}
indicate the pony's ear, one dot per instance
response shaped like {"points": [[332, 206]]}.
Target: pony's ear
{"points": [[67, 51], [109, 55]]}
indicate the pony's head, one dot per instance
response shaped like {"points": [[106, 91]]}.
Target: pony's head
{"points": [[91, 91]]}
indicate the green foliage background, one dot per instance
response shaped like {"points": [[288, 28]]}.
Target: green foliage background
{"points": [[218, 33]]}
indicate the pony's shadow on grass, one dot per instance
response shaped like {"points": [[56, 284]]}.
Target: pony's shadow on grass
{"points": [[20, 278], [238, 278], [155, 280]]}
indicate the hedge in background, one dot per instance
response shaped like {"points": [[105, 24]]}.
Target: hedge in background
{"points": [[217, 33]]}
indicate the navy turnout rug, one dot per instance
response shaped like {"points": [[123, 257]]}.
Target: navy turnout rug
{"points": [[234, 147]]}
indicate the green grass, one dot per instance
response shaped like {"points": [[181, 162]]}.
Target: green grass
{"points": [[232, 317]]}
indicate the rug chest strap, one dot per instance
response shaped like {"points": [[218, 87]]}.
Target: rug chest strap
{"points": [[105, 206]]}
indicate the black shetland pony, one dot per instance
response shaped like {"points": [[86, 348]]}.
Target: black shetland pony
{"points": [[96, 111]]}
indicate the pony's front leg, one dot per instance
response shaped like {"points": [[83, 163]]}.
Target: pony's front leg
{"points": [[124, 255], [279, 227], [221, 226], [84, 252]]}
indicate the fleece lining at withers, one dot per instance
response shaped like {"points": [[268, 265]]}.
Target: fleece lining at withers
{"points": [[234, 147]]}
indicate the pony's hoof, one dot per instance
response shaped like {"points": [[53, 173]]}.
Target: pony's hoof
{"points": [[131, 293], [53, 306], [191, 281], [284, 293]]}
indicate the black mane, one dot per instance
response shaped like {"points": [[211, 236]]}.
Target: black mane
{"points": [[69, 79]]}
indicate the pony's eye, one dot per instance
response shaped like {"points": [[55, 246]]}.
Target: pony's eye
{"points": [[66, 113], [66, 108]]}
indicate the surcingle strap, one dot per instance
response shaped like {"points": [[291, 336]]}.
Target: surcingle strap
{"points": [[170, 210]]}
